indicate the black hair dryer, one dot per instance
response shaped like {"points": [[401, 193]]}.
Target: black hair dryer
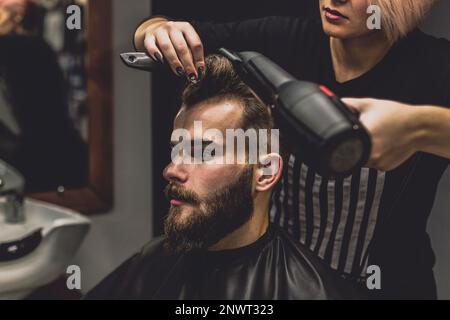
{"points": [[314, 122]]}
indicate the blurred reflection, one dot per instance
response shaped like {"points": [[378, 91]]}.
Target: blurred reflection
{"points": [[42, 95]]}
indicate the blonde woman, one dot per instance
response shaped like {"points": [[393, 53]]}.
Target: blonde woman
{"points": [[374, 217]]}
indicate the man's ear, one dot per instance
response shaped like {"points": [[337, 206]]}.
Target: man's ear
{"points": [[268, 172]]}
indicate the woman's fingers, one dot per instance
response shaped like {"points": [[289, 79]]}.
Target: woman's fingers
{"points": [[196, 47], [356, 105], [178, 44], [152, 48], [169, 53], [184, 54]]}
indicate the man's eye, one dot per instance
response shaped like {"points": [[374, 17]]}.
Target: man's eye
{"points": [[209, 150], [197, 152]]}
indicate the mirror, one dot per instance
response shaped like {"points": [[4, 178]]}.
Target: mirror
{"points": [[55, 100]]}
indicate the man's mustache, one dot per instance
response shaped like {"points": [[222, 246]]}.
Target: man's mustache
{"points": [[173, 191]]}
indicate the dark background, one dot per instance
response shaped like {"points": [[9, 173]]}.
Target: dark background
{"points": [[167, 88]]}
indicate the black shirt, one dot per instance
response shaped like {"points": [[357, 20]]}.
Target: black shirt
{"points": [[337, 219], [274, 267]]}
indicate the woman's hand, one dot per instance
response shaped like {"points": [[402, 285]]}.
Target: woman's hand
{"points": [[175, 42], [395, 130]]}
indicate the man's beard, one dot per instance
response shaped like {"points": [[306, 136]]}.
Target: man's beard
{"points": [[219, 214]]}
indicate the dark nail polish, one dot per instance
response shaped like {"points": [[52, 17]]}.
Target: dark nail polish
{"points": [[159, 57], [180, 71], [200, 73], [192, 78]]}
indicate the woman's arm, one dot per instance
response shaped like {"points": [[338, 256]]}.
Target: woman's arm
{"points": [[399, 130], [183, 44], [434, 122]]}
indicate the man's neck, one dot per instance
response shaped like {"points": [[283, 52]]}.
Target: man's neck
{"points": [[354, 57], [245, 235]]}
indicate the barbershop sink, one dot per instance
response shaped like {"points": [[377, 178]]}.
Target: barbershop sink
{"points": [[38, 250]]}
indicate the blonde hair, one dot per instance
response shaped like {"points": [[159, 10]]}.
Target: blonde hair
{"points": [[399, 17]]}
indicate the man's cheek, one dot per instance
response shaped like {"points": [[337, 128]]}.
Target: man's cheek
{"points": [[207, 181]]}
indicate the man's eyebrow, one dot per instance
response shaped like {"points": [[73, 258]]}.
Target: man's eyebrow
{"points": [[198, 141]]}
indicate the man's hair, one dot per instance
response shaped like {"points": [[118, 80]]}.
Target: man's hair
{"points": [[222, 83], [399, 17]]}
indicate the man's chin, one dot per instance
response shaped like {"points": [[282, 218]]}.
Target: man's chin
{"points": [[180, 234], [178, 246], [183, 214], [200, 226]]}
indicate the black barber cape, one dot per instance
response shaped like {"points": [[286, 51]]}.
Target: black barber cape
{"points": [[273, 267]]}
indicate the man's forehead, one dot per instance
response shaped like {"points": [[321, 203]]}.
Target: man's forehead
{"points": [[215, 115]]}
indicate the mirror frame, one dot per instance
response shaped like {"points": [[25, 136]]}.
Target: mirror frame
{"points": [[97, 196]]}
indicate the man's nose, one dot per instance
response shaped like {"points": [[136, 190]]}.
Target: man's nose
{"points": [[175, 173]]}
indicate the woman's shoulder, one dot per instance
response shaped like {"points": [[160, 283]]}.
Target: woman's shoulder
{"points": [[433, 50], [435, 53]]}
